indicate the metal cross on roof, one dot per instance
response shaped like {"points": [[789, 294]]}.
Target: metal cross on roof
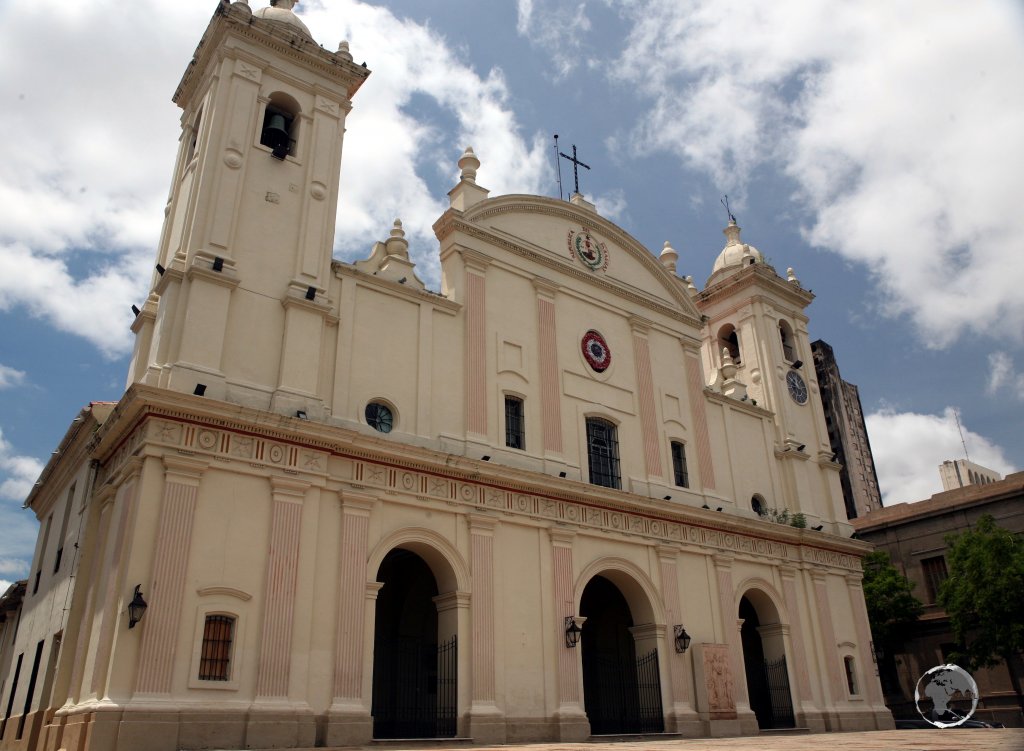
{"points": [[576, 164]]}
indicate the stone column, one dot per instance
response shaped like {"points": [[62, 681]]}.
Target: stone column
{"points": [[274, 720], [476, 343], [279, 597], [829, 654], [806, 715], [682, 716], [570, 716], [645, 399], [170, 567], [486, 722], [348, 720], [550, 388], [695, 391], [115, 587], [732, 625], [865, 654]]}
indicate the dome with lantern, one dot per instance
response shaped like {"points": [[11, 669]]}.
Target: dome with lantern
{"points": [[280, 11]]}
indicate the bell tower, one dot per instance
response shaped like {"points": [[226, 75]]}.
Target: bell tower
{"points": [[758, 348], [239, 298]]}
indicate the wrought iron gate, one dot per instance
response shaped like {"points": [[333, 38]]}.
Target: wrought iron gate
{"points": [[777, 684], [415, 696], [618, 702]]}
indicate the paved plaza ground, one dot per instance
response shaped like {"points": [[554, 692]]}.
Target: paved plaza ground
{"points": [[1010, 739]]}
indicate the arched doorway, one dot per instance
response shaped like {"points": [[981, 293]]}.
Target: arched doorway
{"points": [[621, 689], [764, 662], [414, 673]]}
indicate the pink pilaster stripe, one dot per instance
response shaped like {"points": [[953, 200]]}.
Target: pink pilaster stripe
{"points": [[803, 683], [550, 401], [170, 566], [568, 681], [483, 617], [645, 393], [696, 388], [828, 638], [348, 671], [729, 623], [279, 603], [670, 587], [476, 353], [115, 575], [864, 656]]}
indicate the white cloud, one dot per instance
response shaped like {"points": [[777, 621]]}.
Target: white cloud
{"points": [[17, 473], [899, 124], [909, 447], [85, 188], [1003, 376], [10, 377]]}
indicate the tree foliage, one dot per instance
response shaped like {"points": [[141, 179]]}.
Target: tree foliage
{"points": [[984, 594], [892, 608]]}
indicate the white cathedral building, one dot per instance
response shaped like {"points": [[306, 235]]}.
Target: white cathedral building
{"points": [[546, 502]]}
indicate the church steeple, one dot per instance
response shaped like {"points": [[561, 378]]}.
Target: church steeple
{"points": [[245, 255]]}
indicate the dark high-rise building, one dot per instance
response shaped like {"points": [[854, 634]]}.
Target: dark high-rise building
{"points": [[847, 434]]}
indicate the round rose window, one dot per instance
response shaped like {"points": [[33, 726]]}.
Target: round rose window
{"points": [[596, 352]]}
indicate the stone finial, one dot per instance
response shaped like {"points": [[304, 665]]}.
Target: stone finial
{"points": [[727, 363], [343, 50], [690, 286], [396, 244], [791, 276], [669, 257], [469, 164], [284, 4], [732, 233]]}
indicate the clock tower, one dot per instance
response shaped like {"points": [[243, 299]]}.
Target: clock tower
{"points": [[757, 348], [239, 304]]}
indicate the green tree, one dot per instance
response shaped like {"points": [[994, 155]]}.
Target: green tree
{"points": [[892, 608], [984, 596], [892, 612]]}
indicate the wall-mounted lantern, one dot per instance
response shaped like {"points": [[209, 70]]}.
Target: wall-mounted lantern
{"points": [[572, 631], [137, 607], [682, 639]]}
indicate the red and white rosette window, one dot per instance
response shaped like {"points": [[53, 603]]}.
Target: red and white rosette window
{"points": [[596, 352]]}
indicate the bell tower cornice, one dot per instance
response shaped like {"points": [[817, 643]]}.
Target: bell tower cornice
{"points": [[238, 20]]}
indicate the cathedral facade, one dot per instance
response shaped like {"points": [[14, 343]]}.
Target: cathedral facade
{"points": [[569, 494]]}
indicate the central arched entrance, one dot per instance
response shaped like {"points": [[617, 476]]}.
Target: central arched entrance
{"points": [[764, 662], [414, 673], [621, 690]]}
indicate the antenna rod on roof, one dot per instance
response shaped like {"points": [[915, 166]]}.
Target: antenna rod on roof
{"points": [[558, 167], [956, 416], [728, 211]]}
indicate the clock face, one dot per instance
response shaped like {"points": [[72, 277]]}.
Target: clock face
{"points": [[797, 387]]}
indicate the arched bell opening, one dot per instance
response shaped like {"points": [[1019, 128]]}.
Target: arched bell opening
{"points": [[621, 677], [415, 658], [764, 661]]}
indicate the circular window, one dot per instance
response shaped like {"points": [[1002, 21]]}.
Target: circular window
{"points": [[379, 417], [596, 352]]}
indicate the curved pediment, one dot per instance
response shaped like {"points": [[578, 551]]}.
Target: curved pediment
{"points": [[578, 242]]}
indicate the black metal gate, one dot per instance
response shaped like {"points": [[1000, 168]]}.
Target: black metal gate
{"points": [[622, 703], [415, 693], [780, 704]]}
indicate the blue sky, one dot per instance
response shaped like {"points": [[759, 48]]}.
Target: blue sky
{"points": [[875, 148]]}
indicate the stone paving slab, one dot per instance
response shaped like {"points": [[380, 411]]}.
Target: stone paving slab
{"points": [[954, 739]]}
